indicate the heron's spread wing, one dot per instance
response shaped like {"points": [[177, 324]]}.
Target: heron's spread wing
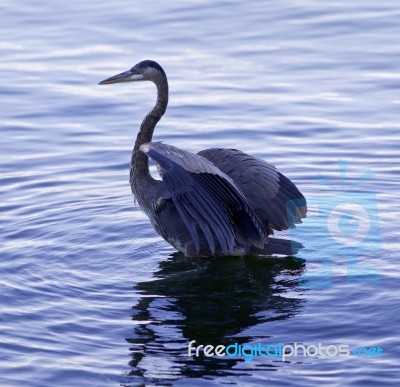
{"points": [[273, 197], [207, 200]]}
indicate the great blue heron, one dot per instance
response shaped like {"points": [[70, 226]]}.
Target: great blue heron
{"points": [[216, 202]]}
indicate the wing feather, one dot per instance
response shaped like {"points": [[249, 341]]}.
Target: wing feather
{"points": [[273, 197], [207, 200]]}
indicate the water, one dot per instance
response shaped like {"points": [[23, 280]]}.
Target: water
{"points": [[90, 295]]}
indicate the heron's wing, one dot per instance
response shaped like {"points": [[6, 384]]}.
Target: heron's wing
{"points": [[207, 200], [273, 197]]}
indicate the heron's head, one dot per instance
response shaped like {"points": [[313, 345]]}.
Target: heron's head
{"points": [[147, 70]]}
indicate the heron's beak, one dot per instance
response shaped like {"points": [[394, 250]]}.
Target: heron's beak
{"points": [[127, 76]]}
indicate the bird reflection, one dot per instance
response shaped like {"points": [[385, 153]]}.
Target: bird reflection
{"points": [[212, 301]]}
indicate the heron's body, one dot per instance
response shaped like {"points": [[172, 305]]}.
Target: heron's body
{"points": [[216, 202]]}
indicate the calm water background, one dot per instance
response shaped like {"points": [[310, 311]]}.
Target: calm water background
{"points": [[89, 294]]}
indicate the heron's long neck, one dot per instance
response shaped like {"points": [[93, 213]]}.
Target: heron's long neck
{"points": [[139, 164]]}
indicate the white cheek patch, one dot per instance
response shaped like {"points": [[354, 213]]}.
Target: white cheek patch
{"points": [[137, 77]]}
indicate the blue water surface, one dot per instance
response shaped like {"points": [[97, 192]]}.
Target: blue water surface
{"points": [[90, 295]]}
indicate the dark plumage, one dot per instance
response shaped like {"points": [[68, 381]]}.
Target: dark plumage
{"points": [[216, 202]]}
